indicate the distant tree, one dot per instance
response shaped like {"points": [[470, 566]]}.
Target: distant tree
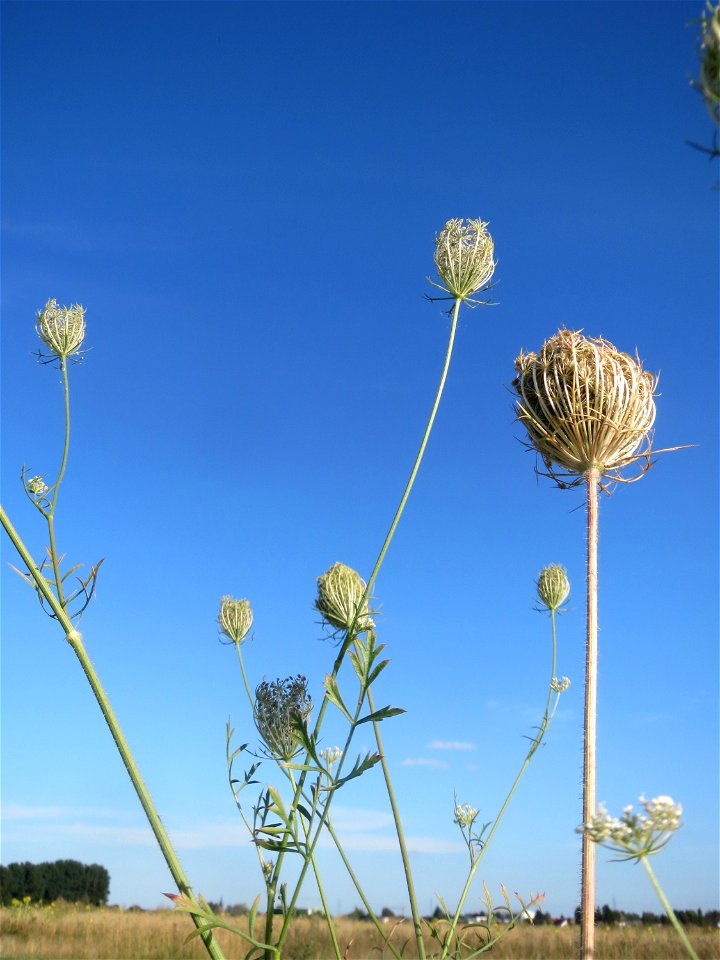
{"points": [[358, 914], [387, 912], [63, 879], [540, 918]]}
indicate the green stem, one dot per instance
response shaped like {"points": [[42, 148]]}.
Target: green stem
{"points": [[360, 891], [50, 516], [321, 891], [668, 909], [544, 724], [417, 924], [75, 641]]}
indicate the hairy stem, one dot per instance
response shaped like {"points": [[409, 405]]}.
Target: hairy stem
{"points": [[587, 894]]}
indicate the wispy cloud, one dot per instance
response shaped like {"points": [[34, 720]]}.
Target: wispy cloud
{"points": [[361, 829], [451, 745], [424, 762]]}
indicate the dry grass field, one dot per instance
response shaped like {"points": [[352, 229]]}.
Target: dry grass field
{"points": [[77, 933]]}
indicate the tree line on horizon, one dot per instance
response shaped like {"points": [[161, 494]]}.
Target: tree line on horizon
{"points": [[60, 880]]}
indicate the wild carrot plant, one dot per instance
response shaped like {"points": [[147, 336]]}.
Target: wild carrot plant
{"points": [[588, 410], [288, 821], [637, 836], [281, 708], [62, 332]]}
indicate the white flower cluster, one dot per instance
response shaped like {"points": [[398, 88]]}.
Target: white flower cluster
{"points": [[37, 487], [560, 684], [331, 755], [465, 815], [636, 834]]}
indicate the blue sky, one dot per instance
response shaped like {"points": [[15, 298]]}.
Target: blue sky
{"points": [[245, 199]]}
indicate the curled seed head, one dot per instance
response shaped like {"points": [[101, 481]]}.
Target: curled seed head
{"points": [[235, 619], [553, 586], [560, 684], [61, 329], [464, 257], [279, 706], [586, 407], [340, 591]]}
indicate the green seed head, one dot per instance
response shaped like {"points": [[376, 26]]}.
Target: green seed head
{"points": [[235, 619], [464, 257], [340, 591], [61, 329], [279, 706], [553, 587]]}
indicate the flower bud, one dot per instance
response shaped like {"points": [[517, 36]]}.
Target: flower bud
{"points": [[61, 329], [235, 619], [340, 591], [36, 487], [464, 257], [553, 587]]}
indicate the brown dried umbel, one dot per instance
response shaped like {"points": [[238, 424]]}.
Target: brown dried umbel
{"points": [[587, 407]]}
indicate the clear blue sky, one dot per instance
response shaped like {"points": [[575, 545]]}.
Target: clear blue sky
{"points": [[245, 198]]}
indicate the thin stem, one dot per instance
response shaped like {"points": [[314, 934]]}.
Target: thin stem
{"points": [[668, 909], [544, 724], [318, 880], [50, 516], [75, 641], [419, 457], [401, 837], [587, 895], [373, 576], [360, 891]]}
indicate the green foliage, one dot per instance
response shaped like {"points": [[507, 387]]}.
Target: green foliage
{"points": [[60, 880]]}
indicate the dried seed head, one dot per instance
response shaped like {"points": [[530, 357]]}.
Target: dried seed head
{"points": [[586, 407], [553, 587], [235, 619], [279, 706], [340, 591], [560, 684], [61, 329], [464, 257]]}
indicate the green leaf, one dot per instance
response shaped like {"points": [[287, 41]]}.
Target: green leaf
{"points": [[360, 767], [376, 672], [383, 714], [332, 691]]}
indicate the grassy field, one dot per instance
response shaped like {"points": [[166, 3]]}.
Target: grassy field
{"points": [[79, 933]]}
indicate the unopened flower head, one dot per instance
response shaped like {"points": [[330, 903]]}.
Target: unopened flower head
{"points": [[37, 487], [465, 815], [586, 407], [560, 684], [464, 257], [553, 587], [340, 591], [235, 619], [61, 329], [279, 706], [636, 835]]}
